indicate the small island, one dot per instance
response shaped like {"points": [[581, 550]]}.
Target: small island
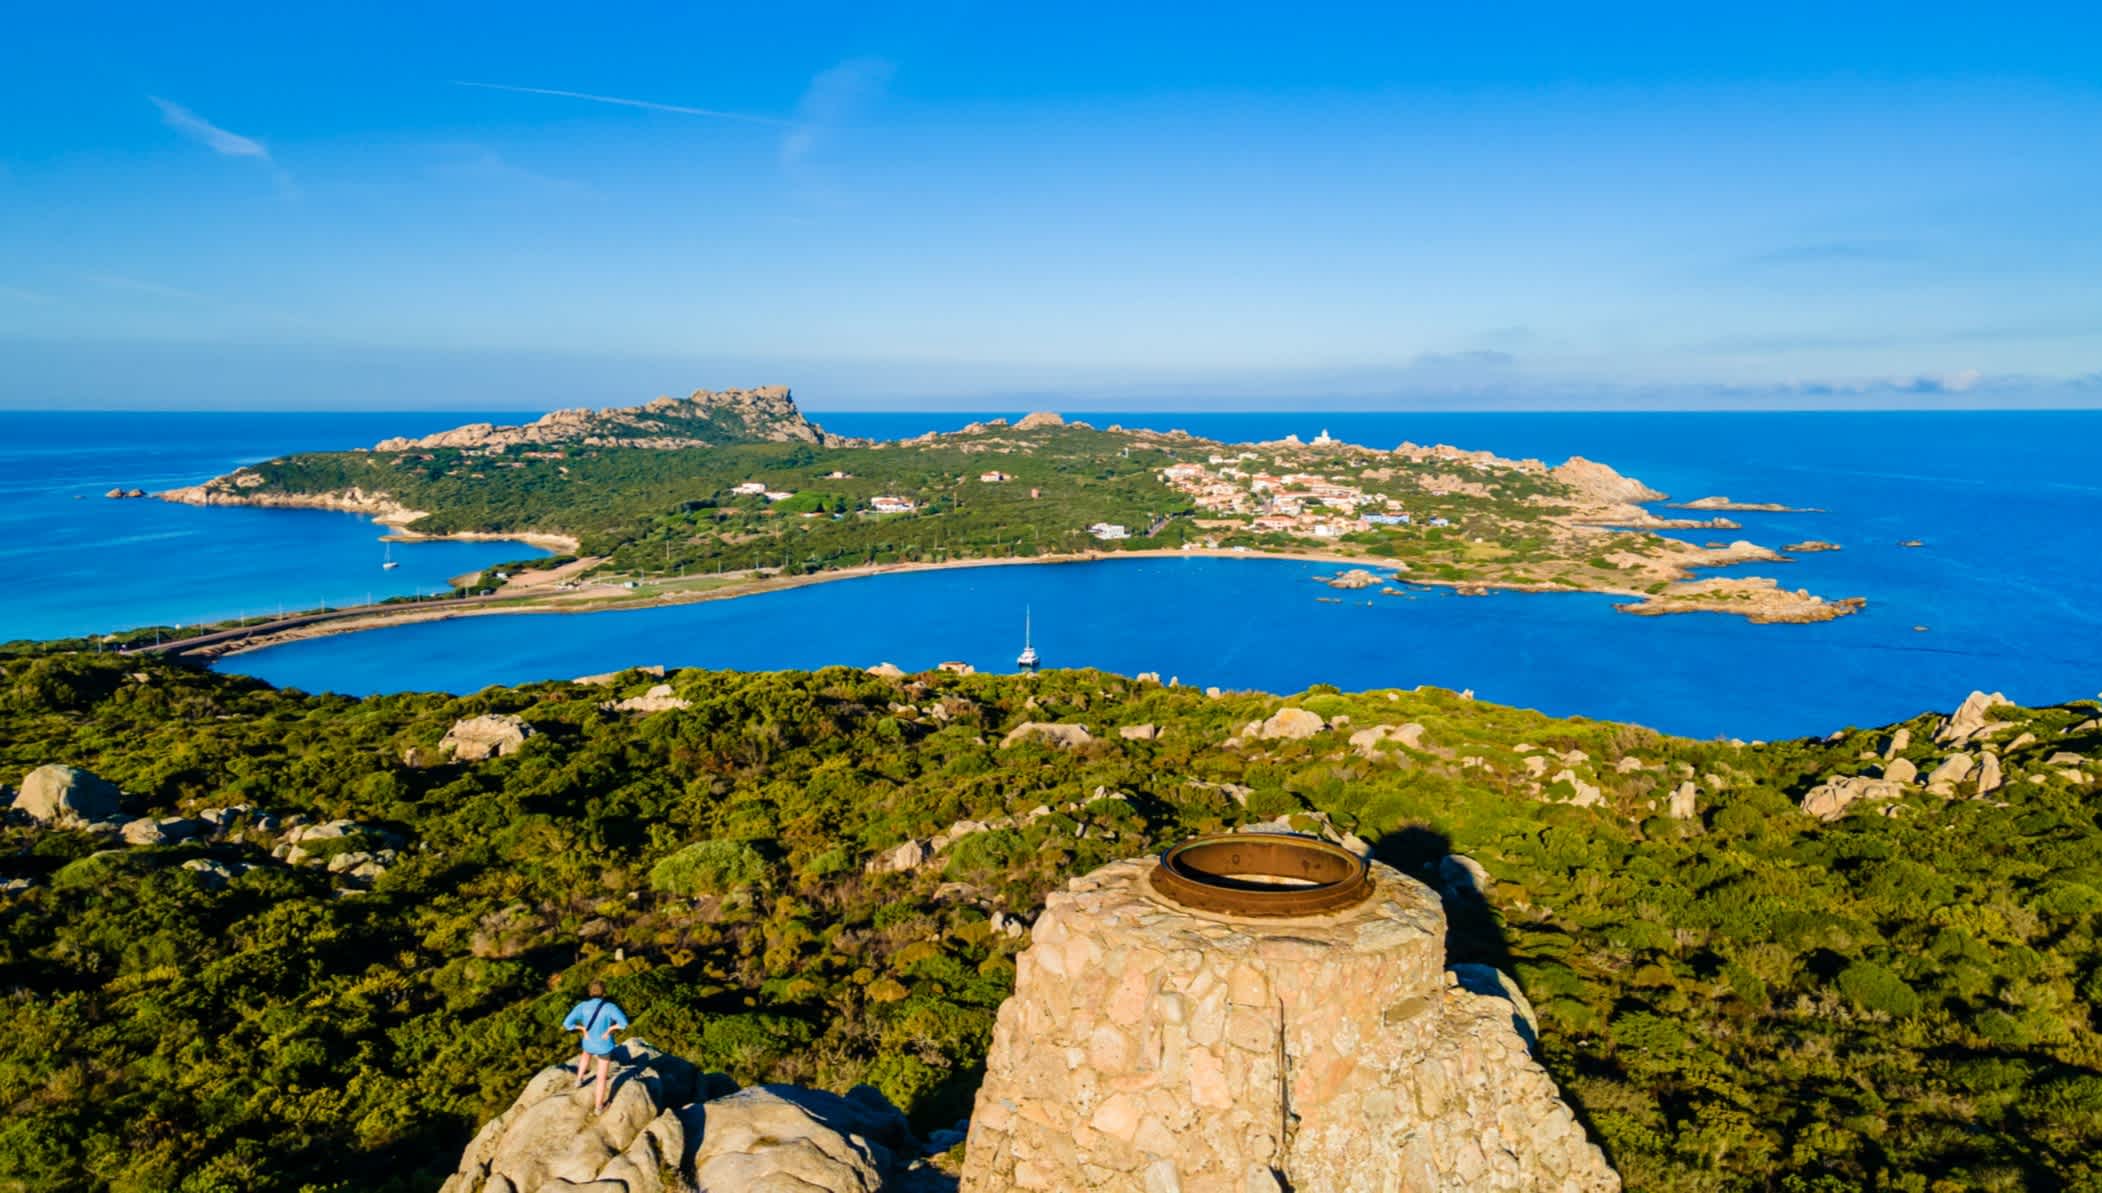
{"points": [[722, 494], [1756, 507]]}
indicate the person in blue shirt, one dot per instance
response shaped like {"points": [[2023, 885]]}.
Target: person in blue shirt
{"points": [[598, 1018]]}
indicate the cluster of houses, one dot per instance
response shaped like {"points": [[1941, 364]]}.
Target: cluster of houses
{"points": [[1295, 503], [877, 505]]}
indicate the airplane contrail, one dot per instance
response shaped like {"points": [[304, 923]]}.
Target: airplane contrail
{"points": [[649, 105]]}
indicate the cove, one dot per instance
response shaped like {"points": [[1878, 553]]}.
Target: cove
{"points": [[1235, 624]]}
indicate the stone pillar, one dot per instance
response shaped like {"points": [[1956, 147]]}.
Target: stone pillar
{"points": [[1152, 1047]]}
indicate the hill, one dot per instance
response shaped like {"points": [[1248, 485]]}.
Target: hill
{"points": [[333, 935]]}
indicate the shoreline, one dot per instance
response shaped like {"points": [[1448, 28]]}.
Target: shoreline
{"points": [[309, 626]]}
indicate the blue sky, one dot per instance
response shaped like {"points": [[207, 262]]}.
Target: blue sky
{"points": [[1216, 206]]}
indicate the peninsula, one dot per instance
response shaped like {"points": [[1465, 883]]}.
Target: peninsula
{"points": [[724, 493]]}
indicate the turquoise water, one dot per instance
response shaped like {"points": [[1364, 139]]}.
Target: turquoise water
{"points": [[2008, 584], [79, 563]]}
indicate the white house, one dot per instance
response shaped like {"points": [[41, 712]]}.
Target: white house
{"points": [[1108, 530], [891, 505], [750, 488]]}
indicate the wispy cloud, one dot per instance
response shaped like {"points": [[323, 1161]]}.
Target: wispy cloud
{"points": [[18, 294], [621, 101], [197, 128], [1841, 252], [832, 98]]}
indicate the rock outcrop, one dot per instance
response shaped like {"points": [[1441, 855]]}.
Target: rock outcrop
{"points": [[1685, 801], [660, 698], [1150, 1047], [1290, 724], [550, 1138], [668, 1129], [1039, 418], [1830, 799], [1367, 742], [1953, 770], [491, 735], [700, 419], [1048, 732], [1970, 718], [782, 1139], [1600, 483], [66, 795]]}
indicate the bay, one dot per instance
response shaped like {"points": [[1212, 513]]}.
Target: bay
{"points": [[2004, 593]]}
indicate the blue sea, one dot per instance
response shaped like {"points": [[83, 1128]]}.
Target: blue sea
{"points": [[79, 563], [2005, 593]]}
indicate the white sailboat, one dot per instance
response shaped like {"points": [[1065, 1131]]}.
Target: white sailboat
{"points": [[1027, 659], [388, 564]]}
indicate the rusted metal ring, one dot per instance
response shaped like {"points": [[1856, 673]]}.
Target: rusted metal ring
{"points": [[1224, 873]]}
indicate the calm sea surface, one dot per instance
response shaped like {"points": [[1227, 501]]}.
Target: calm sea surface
{"points": [[79, 563], [2008, 584]]}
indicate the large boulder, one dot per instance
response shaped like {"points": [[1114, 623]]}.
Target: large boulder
{"points": [[1989, 776], [1049, 732], [1685, 801], [491, 735], [783, 1139], [1367, 741], [1969, 719], [1830, 799], [1953, 770], [550, 1139], [66, 795], [660, 698], [1292, 724], [904, 859]]}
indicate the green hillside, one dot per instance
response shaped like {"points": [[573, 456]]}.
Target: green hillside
{"points": [[1749, 998]]}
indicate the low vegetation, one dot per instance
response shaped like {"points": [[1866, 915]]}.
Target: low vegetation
{"points": [[1747, 998]]}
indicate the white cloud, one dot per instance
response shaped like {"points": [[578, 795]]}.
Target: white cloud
{"points": [[197, 128], [832, 98]]}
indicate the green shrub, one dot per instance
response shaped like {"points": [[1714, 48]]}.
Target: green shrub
{"points": [[1874, 988], [709, 868]]}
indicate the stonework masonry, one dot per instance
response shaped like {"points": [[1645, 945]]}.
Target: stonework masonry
{"points": [[1155, 1048]]}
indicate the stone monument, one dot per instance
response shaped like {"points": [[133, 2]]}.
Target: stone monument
{"points": [[1261, 1012]]}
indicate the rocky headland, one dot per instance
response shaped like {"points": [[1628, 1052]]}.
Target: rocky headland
{"points": [[704, 418]]}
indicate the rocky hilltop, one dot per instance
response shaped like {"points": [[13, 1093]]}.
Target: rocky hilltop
{"points": [[703, 418], [668, 1127], [1148, 1047]]}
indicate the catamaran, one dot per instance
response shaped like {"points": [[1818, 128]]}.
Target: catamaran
{"points": [[1027, 659]]}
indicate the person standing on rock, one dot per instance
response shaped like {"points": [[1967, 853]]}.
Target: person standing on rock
{"points": [[598, 1018]]}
